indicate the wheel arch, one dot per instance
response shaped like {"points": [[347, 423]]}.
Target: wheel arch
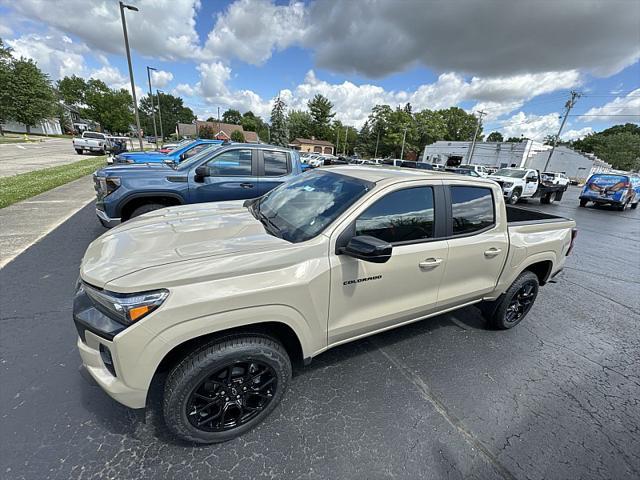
{"points": [[128, 204]]}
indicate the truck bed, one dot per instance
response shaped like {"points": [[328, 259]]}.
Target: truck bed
{"points": [[525, 216]]}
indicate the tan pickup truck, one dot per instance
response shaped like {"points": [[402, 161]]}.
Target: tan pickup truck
{"points": [[226, 296]]}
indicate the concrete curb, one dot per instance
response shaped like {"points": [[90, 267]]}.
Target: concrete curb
{"points": [[25, 223]]}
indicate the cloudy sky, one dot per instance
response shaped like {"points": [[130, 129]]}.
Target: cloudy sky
{"points": [[516, 60]]}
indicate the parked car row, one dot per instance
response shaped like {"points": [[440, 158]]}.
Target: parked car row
{"points": [[100, 143], [221, 299]]}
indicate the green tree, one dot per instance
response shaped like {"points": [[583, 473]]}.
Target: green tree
{"points": [[515, 139], [206, 131], [32, 98], [279, 130], [172, 110], [300, 124], [232, 116], [618, 145], [320, 109], [112, 109], [252, 123], [237, 136], [495, 137], [6, 103], [460, 125], [430, 127], [72, 90]]}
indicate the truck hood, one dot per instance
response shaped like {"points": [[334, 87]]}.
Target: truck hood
{"points": [[142, 157], [175, 234], [505, 179]]}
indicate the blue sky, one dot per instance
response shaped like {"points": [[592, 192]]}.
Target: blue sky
{"points": [[242, 53]]}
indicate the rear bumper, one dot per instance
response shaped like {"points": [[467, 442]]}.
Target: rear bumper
{"points": [[106, 220], [602, 201]]}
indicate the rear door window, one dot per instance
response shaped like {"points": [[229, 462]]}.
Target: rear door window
{"points": [[472, 209], [276, 164]]}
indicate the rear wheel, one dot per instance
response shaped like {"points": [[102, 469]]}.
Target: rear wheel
{"points": [[583, 203], [622, 206], [146, 208], [226, 388], [548, 198], [511, 308], [79, 151], [634, 206]]}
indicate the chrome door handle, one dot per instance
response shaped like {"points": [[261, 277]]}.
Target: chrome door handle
{"points": [[492, 252], [246, 185], [430, 263]]}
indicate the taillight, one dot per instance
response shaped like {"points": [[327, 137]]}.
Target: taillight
{"points": [[574, 234]]}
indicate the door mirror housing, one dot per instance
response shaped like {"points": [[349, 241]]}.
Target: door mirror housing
{"points": [[369, 249], [201, 172], [532, 179]]}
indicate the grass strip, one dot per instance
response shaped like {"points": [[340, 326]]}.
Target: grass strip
{"points": [[26, 185]]}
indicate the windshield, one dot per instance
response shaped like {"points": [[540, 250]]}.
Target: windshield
{"points": [[205, 153], [509, 172], [300, 209], [607, 180]]}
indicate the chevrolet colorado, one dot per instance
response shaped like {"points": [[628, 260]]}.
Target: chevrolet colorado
{"points": [[226, 296]]}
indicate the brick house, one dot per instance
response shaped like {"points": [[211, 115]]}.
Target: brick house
{"points": [[312, 145]]}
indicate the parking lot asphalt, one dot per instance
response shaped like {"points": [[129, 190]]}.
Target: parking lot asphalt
{"points": [[555, 397], [18, 158]]}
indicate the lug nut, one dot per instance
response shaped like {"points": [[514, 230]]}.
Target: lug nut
{"points": [[237, 396], [227, 399]]}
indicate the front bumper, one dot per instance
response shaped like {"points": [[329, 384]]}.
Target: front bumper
{"points": [[602, 200], [95, 366], [106, 220]]}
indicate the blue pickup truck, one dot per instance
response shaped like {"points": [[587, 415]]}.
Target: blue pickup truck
{"points": [[178, 155], [231, 172]]}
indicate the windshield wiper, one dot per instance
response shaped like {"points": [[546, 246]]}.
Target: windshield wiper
{"points": [[268, 224]]}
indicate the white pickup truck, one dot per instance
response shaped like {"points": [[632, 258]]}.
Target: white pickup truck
{"points": [[225, 296], [518, 183], [92, 142]]}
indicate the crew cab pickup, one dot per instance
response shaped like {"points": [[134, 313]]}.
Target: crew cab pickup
{"points": [[518, 183], [92, 142], [226, 296], [218, 173]]}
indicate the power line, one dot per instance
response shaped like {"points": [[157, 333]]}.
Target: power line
{"points": [[569, 105], [603, 115]]}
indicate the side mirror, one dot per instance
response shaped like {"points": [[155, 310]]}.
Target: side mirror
{"points": [[183, 156], [369, 249], [201, 172], [532, 179]]}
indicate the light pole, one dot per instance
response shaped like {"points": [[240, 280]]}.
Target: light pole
{"points": [[153, 107], [133, 86], [158, 92]]}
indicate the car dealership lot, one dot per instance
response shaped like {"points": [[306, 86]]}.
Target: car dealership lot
{"points": [[555, 397], [18, 158]]}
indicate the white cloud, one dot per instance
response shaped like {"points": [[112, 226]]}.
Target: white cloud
{"points": [[185, 89], [112, 76], [161, 28], [5, 30], [252, 29], [576, 134], [54, 55], [535, 127], [625, 109], [160, 78]]}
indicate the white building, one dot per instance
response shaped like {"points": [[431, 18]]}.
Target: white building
{"points": [[578, 166], [489, 154], [49, 126]]}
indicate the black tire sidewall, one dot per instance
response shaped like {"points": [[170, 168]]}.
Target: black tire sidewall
{"points": [[146, 208], [187, 375], [515, 193], [498, 319]]}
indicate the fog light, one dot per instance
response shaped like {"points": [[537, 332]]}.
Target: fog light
{"points": [[105, 354]]}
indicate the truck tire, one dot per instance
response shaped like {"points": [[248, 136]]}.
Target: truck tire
{"points": [[146, 208], [559, 194], [79, 151], [226, 388], [547, 199], [634, 206], [515, 196], [514, 304], [583, 203]]}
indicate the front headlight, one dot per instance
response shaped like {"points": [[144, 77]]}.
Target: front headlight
{"points": [[109, 184], [127, 308], [507, 184]]}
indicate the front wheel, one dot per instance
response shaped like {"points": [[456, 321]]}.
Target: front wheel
{"points": [[226, 388], [511, 308], [515, 196], [583, 203], [79, 151], [634, 206]]}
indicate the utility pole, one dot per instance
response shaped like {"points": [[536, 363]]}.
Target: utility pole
{"points": [[153, 105], [475, 135], [404, 137], [346, 134], [160, 114], [375, 155], [568, 106], [133, 86], [337, 141]]}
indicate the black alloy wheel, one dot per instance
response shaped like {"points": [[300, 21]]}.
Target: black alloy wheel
{"points": [[232, 396], [521, 302]]}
